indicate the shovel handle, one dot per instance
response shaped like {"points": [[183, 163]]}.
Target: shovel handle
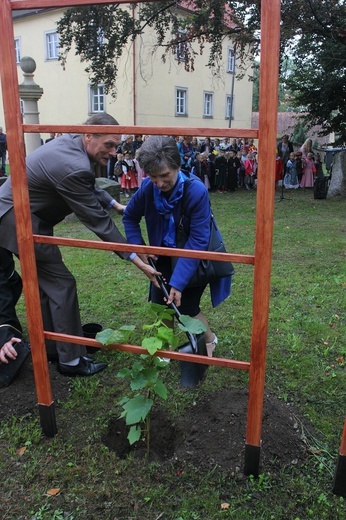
{"points": [[164, 289]]}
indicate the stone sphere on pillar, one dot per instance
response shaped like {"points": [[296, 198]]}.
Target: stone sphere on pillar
{"points": [[27, 64]]}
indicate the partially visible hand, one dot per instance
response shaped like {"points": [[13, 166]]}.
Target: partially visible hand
{"points": [[174, 296], [144, 257], [119, 208], [149, 271], [7, 350]]}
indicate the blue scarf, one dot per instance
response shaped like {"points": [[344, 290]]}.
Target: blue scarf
{"points": [[165, 208]]}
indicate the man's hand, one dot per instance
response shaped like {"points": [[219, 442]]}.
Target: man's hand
{"points": [[8, 350], [119, 208], [149, 271]]}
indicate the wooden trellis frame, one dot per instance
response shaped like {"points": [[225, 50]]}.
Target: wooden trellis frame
{"points": [[266, 135]]}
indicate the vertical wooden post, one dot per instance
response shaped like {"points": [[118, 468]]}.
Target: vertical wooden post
{"points": [[339, 487], [269, 72], [15, 143]]}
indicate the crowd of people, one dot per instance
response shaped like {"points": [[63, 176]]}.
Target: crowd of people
{"points": [[297, 169], [221, 164]]}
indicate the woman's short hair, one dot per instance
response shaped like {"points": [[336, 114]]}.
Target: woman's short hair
{"points": [[159, 152]]}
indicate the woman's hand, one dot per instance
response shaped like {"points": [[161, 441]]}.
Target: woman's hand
{"points": [[8, 350], [174, 296]]}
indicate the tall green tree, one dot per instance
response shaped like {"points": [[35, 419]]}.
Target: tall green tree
{"points": [[313, 36]]}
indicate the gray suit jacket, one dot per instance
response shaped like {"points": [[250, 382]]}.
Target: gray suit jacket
{"points": [[61, 181]]}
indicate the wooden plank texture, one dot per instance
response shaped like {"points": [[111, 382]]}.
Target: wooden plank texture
{"points": [[15, 144]]}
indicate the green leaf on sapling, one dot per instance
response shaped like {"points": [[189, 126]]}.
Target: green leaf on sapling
{"points": [[160, 389], [188, 324], [134, 434], [110, 336], [124, 373], [137, 409], [152, 344]]}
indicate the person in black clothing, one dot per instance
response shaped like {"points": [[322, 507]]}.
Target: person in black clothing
{"points": [[3, 150], [10, 291], [285, 148], [233, 166], [52, 136]]}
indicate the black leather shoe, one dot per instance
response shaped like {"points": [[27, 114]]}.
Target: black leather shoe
{"points": [[84, 368], [89, 359]]}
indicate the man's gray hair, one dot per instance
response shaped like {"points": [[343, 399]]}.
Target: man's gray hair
{"points": [[101, 119], [158, 152]]}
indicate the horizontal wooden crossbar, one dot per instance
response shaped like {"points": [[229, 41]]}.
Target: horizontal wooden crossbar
{"points": [[135, 349], [34, 4], [130, 248], [144, 130]]}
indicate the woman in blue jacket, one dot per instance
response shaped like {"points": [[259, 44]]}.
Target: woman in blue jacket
{"points": [[159, 202]]}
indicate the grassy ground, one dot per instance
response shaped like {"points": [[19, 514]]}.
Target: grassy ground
{"points": [[305, 368]]}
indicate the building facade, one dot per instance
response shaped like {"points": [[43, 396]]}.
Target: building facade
{"points": [[149, 92]]}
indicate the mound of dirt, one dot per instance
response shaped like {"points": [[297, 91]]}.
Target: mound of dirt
{"points": [[212, 432]]}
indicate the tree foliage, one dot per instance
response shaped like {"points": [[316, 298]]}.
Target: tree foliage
{"points": [[313, 35], [101, 33], [318, 77]]}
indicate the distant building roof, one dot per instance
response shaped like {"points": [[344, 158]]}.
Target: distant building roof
{"points": [[286, 123]]}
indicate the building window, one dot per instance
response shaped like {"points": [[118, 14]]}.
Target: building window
{"points": [[97, 99], [181, 102], [208, 104], [181, 47], [52, 45], [229, 107], [17, 49], [230, 60]]}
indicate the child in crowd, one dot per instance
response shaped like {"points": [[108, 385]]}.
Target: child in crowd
{"points": [[309, 171], [129, 176], [291, 177], [250, 171], [242, 155], [279, 170], [118, 168]]}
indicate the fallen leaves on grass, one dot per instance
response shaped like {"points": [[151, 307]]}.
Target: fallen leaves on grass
{"points": [[53, 492]]}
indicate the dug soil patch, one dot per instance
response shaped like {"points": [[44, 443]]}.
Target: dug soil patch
{"points": [[212, 433]]}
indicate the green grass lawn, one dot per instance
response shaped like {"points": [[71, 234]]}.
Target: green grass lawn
{"points": [[305, 369]]}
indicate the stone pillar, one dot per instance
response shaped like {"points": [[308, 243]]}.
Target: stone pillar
{"points": [[30, 93]]}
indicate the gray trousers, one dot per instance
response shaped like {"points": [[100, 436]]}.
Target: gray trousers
{"points": [[59, 305], [58, 292], [60, 309]]}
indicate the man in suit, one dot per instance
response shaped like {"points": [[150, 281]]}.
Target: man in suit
{"points": [[61, 181]]}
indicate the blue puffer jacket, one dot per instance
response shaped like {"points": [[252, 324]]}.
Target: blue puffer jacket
{"points": [[196, 225]]}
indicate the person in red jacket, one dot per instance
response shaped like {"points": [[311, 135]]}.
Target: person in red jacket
{"points": [[250, 171]]}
